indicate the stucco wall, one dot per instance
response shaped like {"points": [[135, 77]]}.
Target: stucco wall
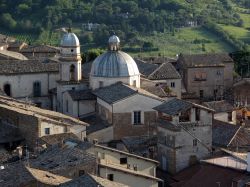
{"points": [[22, 84], [113, 158], [54, 129], [128, 179]]}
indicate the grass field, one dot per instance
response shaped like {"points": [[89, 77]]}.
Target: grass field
{"points": [[183, 42]]}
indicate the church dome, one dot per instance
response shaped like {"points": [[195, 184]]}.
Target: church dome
{"points": [[70, 40], [114, 64]]}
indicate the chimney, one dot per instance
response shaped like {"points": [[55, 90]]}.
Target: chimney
{"points": [[248, 161]]}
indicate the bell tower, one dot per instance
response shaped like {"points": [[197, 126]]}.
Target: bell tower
{"points": [[70, 59]]}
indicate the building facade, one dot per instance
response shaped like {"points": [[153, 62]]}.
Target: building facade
{"points": [[184, 134], [208, 76]]}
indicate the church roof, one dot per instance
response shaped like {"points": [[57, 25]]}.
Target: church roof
{"points": [[77, 95], [27, 66], [40, 49], [120, 91], [114, 64]]}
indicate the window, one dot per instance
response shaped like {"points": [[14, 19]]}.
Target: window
{"points": [[37, 89], [47, 131], [197, 114], [215, 93], [39, 104], [137, 117], [72, 72], [67, 106], [100, 84], [72, 50], [134, 83], [200, 76], [230, 116], [195, 142], [123, 160], [218, 73], [172, 84], [201, 94], [81, 172], [185, 116], [110, 177], [135, 167], [7, 89]]}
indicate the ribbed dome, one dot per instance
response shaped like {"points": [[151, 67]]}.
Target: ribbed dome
{"points": [[114, 64], [70, 40]]}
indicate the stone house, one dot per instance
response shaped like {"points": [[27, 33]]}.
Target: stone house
{"points": [[208, 76], [128, 109], [184, 134], [33, 122], [125, 168]]}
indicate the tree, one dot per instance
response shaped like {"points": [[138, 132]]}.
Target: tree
{"points": [[8, 21]]}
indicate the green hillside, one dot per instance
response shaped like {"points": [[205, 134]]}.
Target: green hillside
{"points": [[146, 27]]}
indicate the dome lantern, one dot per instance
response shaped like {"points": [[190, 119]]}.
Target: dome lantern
{"points": [[114, 43]]}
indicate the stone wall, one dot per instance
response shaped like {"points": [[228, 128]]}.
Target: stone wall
{"points": [[123, 126], [27, 124]]}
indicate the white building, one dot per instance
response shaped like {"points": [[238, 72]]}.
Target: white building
{"points": [[125, 168]]}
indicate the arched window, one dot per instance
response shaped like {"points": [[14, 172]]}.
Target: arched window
{"points": [[37, 89], [7, 89], [72, 72]]}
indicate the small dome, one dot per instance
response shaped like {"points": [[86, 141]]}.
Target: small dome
{"points": [[114, 39], [114, 64], [70, 40]]}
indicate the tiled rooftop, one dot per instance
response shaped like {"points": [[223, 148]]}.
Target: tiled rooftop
{"points": [[12, 55], [165, 71], [223, 133], [120, 91], [27, 66], [207, 60], [77, 95]]}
